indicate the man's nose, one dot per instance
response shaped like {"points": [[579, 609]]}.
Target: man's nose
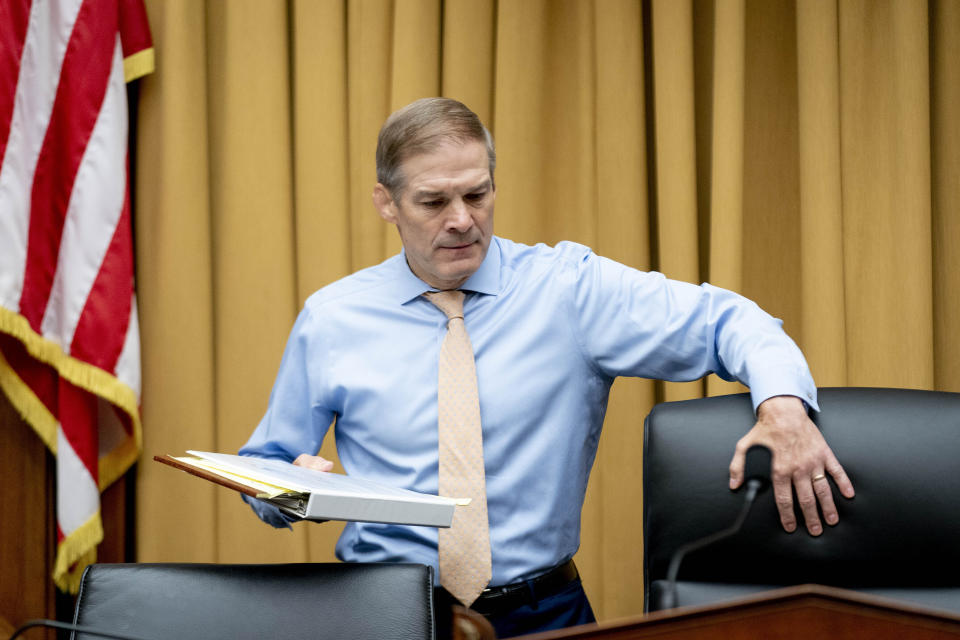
{"points": [[458, 216]]}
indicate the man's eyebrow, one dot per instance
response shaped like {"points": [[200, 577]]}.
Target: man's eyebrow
{"points": [[428, 193]]}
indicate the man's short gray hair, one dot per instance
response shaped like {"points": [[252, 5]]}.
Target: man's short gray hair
{"points": [[421, 127]]}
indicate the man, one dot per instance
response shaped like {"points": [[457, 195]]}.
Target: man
{"points": [[550, 329]]}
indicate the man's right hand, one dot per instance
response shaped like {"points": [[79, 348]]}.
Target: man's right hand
{"points": [[313, 462]]}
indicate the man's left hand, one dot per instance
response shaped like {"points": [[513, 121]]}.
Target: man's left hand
{"points": [[801, 462]]}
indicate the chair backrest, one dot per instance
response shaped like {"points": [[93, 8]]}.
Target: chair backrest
{"points": [[214, 601], [899, 537]]}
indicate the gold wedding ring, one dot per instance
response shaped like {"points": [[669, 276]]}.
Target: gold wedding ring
{"points": [[819, 476]]}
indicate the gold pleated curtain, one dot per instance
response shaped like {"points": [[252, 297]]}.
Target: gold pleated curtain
{"points": [[805, 153]]}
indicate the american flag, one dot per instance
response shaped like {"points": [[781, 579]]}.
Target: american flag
{"points": [[69, 339]]}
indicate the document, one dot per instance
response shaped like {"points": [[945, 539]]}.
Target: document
{"points": [[309, 494]]}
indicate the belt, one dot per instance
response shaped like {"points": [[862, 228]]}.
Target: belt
{"points": [[495, 601]]}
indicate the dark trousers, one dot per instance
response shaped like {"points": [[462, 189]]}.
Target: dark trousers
{"points": [[567, 608]]}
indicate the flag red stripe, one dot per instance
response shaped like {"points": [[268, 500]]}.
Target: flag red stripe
{"points": [[78, 421], [134, 30], [83, 84], [14, 19], [39, 377], [102, 328]]}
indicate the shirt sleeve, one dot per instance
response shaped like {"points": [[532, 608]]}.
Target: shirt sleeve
{"points": [[642, 324], [269, 513], [297, 418]]}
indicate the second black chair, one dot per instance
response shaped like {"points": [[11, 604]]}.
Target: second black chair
{"points": [[221, 601], [897, 537]]}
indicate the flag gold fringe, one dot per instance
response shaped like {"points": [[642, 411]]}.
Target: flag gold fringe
{"points": [[138, 64], [75, 552], [28, 405], [84, 375]]}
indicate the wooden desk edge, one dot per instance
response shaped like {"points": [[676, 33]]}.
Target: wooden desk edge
{"points": [[786, 598]]}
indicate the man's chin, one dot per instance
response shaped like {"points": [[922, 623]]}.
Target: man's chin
{"points": [[458, 271], [459, 276]]}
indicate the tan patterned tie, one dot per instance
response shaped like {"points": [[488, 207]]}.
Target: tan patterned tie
{"points": [[465, 547]]}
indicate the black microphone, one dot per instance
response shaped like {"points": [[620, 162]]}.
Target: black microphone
{"points": [[66, 626], [756, 473], [756, 467]]}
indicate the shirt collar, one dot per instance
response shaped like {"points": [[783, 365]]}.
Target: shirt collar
{"points": [[485, 280]]}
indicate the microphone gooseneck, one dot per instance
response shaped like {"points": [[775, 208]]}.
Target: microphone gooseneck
{"points": [[66, 626], [757, 473]]}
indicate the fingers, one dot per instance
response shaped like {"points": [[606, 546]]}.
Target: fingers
{"points": [[807, 501], [821, 487], [313, 462], [839, 476], [736, 466], [813, 498], [783, 497]]}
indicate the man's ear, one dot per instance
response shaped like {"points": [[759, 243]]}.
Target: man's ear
{"points": [[384, 203]]}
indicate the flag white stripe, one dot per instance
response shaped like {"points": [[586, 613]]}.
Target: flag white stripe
{"points": [[94, 210], [128, 364], [78, 496], [48, 33]]}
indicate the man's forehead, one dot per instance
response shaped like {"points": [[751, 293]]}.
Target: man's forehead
{"points": [[449, 167]]}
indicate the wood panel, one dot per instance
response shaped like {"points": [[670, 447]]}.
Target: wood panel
{"points": [[27, 540], [803, 611], [6, 629], [28, 526]]}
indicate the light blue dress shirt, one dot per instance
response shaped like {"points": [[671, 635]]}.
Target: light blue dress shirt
{"points": [[551, 329]]}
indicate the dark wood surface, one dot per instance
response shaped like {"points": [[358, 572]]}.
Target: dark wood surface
{"points": [[28, 526], [6, 628], [27, 541], [807, 611]]}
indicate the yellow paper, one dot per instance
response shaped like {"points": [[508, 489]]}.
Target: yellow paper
{"points": [[265, 490]]}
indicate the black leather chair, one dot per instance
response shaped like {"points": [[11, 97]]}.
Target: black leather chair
{"points": [[213, 601], [899, 537]]}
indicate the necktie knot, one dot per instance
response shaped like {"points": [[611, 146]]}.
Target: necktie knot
{"points": [[450, 302]]}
